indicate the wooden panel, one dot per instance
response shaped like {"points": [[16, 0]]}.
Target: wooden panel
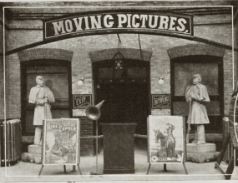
{"points": [[181, 108], [118, 154]]}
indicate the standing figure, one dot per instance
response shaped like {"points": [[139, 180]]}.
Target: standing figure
{"points": [[161, 139], [41, 96], [170, 141], [197, 96]]}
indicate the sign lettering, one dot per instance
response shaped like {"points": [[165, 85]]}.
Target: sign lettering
{"points": [[153, 22]]}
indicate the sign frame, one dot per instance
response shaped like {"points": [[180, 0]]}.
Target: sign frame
{"points": [[112, 30], [81, 95], [183, 159], [160, 106], [77, 151]]}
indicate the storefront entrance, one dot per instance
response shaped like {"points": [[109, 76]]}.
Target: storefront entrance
{"points": [[124, 85]]}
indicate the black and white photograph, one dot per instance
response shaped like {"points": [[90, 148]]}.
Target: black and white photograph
{"points": [[124, 90]]}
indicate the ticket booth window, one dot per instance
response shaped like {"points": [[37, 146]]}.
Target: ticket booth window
{"points": [[57, 77], [211, 70]]}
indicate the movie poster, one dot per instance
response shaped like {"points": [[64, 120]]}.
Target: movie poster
{"points": [[165, 139], [61, 141]]}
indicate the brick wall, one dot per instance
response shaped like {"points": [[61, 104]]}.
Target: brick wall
{"points": [[82, 68], [82, 64]]}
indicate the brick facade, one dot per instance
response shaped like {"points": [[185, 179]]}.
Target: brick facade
{"points": [[157, 49], [82, 68]]}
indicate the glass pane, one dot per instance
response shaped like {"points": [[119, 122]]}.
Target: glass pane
{"points": [[105, 73], [58, 83], [29, 128], [183, 74], [118, 74], [136, 73], [181, 108]]}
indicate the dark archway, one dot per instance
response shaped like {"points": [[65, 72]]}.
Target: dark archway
{"points": [[125, 85]]}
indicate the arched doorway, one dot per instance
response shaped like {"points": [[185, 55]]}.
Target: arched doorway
{"points": [[125, 86]]}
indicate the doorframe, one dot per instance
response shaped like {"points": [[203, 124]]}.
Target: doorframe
{"points": [[23, 67]]}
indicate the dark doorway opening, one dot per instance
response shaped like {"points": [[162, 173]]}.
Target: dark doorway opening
{"points": [[125, 87], [58, 78]]}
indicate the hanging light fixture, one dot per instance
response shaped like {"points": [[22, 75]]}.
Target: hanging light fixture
{"points": [[118, 58], [118, 61]]}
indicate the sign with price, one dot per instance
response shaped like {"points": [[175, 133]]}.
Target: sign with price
{"points": [[82, 101], [160, 101]]}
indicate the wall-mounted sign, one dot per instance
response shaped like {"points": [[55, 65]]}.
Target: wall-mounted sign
{"points": [[160, 101], [82, 101], [123, 21], [61, 142]]}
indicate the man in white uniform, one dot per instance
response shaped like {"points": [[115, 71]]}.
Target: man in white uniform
{"points": [[41, 96]]}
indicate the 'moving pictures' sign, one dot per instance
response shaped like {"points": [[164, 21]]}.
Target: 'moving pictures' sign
{"points": [[114, 21]]}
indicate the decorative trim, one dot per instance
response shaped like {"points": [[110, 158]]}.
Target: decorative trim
{"points": [[128, 53], [44, 54], [195, 49]]}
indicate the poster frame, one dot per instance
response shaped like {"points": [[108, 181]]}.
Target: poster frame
{"points": [[81, 95], [77, 161], [157, 106], [184, 143]]}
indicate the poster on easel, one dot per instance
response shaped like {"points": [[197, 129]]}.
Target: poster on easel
{"points": [[166, 139], [61, 141]]}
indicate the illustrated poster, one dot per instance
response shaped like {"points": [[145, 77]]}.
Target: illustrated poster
{"points": [[61, 141], [166, 139]]}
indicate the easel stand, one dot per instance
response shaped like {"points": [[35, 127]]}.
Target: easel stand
{"points": [[65, 170], [96, 149], [74, 141], [165, 167]]}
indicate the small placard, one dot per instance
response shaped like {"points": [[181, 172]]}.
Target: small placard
{"points": [[160, 101], [82, 101]]}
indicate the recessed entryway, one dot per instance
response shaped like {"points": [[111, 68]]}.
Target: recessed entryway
{"points": [[125, 86]]}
